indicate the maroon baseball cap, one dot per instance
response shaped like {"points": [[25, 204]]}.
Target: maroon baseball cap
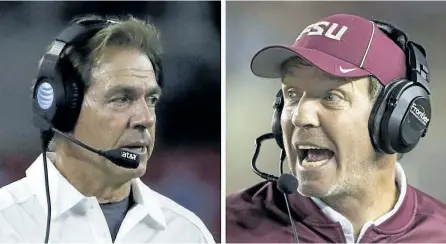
{"points": [[341, 45]]}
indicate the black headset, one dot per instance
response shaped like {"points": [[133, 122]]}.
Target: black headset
{"points": [[402, 112], [59, 90]]}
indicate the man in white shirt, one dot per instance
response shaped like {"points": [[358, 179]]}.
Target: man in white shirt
{"points": [[104, 82]]}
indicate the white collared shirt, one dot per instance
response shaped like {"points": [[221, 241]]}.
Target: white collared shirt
{"points": [[76, 218], [347, 227]]}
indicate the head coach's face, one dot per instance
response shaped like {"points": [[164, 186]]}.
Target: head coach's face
{"points": [[326, 83], [118, 109]]}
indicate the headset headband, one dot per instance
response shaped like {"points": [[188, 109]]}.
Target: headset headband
{"points": [[57, 101], [74, 34], [417, 65]]}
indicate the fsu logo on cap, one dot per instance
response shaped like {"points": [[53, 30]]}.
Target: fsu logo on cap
{"points": [[324, 28]]}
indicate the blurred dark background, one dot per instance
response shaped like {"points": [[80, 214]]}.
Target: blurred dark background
{"points": [[186, 162]]}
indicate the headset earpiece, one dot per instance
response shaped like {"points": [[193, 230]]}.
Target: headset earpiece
{"points": [[402, 112], [386, 124], [59, 90], [376, 117], [276, 126]]}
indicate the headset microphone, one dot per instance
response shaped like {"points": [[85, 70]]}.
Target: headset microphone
{"points": [[286, 183], [119, 156], [58, 95]]}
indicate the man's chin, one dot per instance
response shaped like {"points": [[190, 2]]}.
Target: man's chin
{"points": [[138, 172], [312, 191], [127, 173]]}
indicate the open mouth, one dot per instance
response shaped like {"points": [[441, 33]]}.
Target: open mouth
{"points": [[311, 157], [136, 149]]}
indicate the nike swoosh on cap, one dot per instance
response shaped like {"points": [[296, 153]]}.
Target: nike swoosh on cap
{"points": [[346, 70]]}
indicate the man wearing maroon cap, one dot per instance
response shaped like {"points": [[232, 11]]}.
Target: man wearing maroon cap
{"points": [[355, 94]]}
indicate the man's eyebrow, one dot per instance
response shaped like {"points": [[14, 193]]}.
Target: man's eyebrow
{"points": [[153, 90], [339, 81]]}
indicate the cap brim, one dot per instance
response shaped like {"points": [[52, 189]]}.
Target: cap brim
{"points": [[267, 62]]}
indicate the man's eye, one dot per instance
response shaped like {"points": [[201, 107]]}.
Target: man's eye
{"points": [[152, 100], [291, 94], [120, 99], [332, 97]]}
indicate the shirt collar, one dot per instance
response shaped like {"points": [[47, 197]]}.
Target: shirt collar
{"points": [[400, 178], [65, 196], [149, 201]]}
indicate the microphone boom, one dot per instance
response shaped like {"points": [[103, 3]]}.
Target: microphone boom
{"points": [[258, 144], [119, 156], [286, 183]]}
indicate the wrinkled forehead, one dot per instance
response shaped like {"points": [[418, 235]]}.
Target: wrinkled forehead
{"points": [[136, 79], [119, 66], [115, 58]]}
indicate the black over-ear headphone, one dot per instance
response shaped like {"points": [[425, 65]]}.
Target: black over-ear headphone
{"points": [[59, 90], [402, 112]]}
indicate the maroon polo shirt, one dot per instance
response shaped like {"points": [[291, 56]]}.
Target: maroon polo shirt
{"points": [[258, 214]]}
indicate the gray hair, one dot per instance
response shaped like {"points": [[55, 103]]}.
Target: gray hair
{"points": [[131, 32]]}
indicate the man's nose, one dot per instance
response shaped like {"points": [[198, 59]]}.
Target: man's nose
{"points": [[305, 115], [143, 115]]}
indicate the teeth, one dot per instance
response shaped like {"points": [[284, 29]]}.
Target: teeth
{"points": [[308, 164], [309, 147], [312, 164], [136, 149]]}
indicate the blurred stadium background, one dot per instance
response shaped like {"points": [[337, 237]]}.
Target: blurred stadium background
{"points": [[253, 25], [186, 161]]}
